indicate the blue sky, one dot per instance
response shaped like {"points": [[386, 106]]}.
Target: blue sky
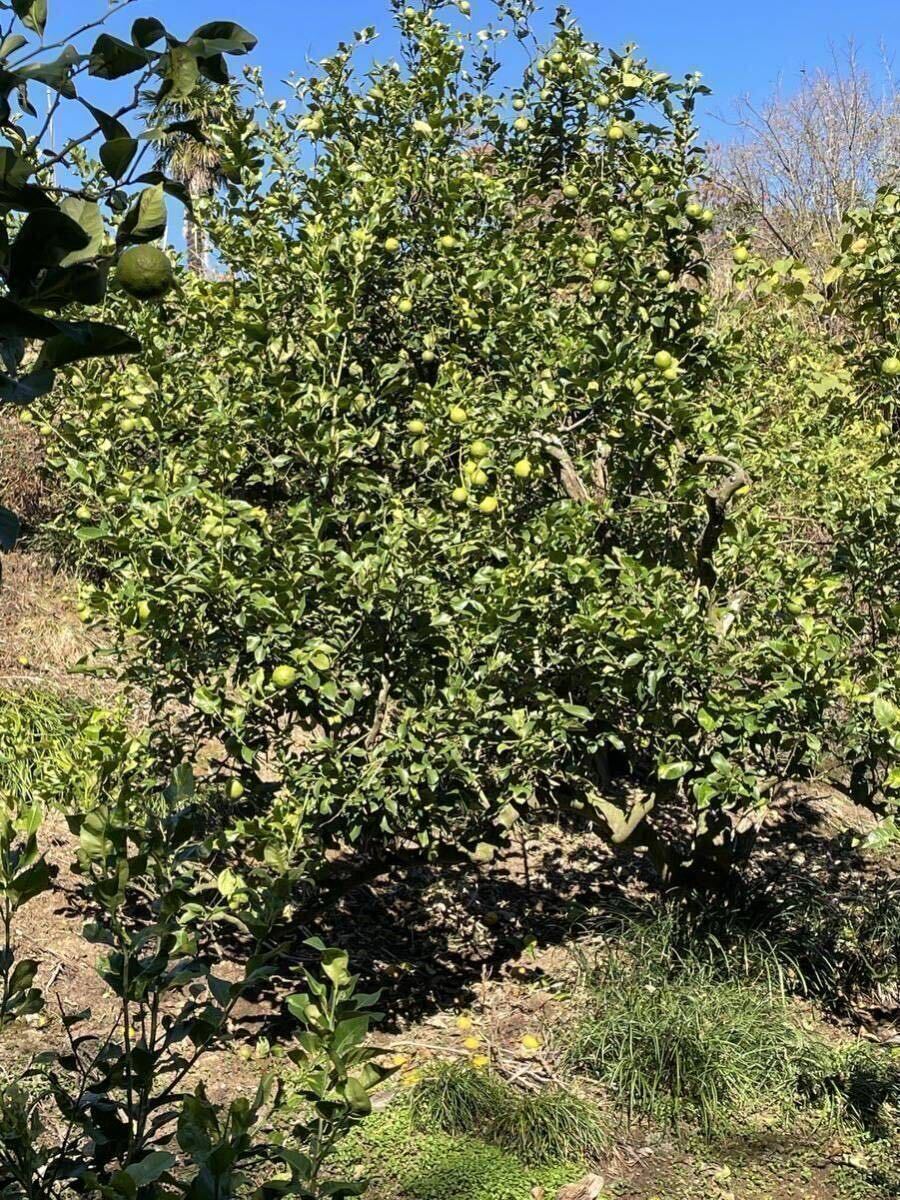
{"points": [[740, 47]]}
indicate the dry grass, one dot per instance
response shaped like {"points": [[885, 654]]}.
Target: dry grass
{"points": [[43, 638]]}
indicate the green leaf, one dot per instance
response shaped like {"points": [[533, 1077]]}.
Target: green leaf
{"points": [[886, 714], [146, 31], [78, 340], [674, 770], [45, 239], [149, 1169], [183, 74], [223, 37], [56, 74], [10, 529], [117, 155], [26, 388], [11, 44], [86, 214], [146, 220], [32, 14], [357, 1097], [111, 58], [335, 964], [15, 191]]}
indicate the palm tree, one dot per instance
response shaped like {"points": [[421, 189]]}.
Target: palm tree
{"points": [[190, 160]]}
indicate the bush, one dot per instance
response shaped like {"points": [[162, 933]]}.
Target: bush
{"points": [[549, 1126]]}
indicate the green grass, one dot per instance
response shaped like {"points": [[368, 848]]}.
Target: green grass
{"points": [[547, 1126], [55, 750], [403, 1163], [692, 1029]]}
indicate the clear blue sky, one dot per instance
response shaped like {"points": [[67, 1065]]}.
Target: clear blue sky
{"points": [[741, 46]]}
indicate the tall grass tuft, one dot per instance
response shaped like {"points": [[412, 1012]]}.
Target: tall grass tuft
{"points": [[549, 1126]]}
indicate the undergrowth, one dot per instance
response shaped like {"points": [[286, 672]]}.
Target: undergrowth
{"points": [[699, 1032], [56, 750], [403, 1163], [546, 1126]]}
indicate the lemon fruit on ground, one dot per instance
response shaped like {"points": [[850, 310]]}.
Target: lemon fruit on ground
{"points": [[145, 272]]}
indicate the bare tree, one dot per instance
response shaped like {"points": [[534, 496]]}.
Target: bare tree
{"points": [[802, 159]]}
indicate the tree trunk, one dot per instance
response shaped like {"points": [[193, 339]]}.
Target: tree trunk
{"points": [[195, 237]]}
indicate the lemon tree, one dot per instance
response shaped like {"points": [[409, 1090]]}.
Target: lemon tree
{"points": [[66, 218], [420, 516]]}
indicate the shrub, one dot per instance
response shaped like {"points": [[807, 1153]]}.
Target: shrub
{"points": [[550, 1125]]}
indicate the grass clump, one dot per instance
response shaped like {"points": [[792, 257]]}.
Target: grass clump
{"points": [[546, 1126], [55, 750], [402, 1162]]}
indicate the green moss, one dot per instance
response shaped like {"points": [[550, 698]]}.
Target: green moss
{"points": [[402, 1164]]}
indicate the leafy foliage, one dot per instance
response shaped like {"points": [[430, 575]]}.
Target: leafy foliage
{"points": [[136, 1115]]}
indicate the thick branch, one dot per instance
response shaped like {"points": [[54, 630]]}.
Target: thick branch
{"points": [[572, 482], [717, 501]]}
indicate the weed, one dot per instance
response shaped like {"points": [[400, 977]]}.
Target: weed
{"points": [[546, 1126]]}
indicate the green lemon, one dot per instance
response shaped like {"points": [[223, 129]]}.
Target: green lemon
{"points": [[570, 191], [663, 359], [694, 210], [518, 104], [740, 254], [405, 305], [416, 426], [392, 245], [460, 495], [83, 513], [621, 236], [590, 259], [479, 449], [448, 242], [891, 366], [488, 504], [458, 415], [663, 276], [520, 124], [284, 676], [522, 469], [479, 477], [615, 132], [602, 287], [145, 272], [235, 789]]}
